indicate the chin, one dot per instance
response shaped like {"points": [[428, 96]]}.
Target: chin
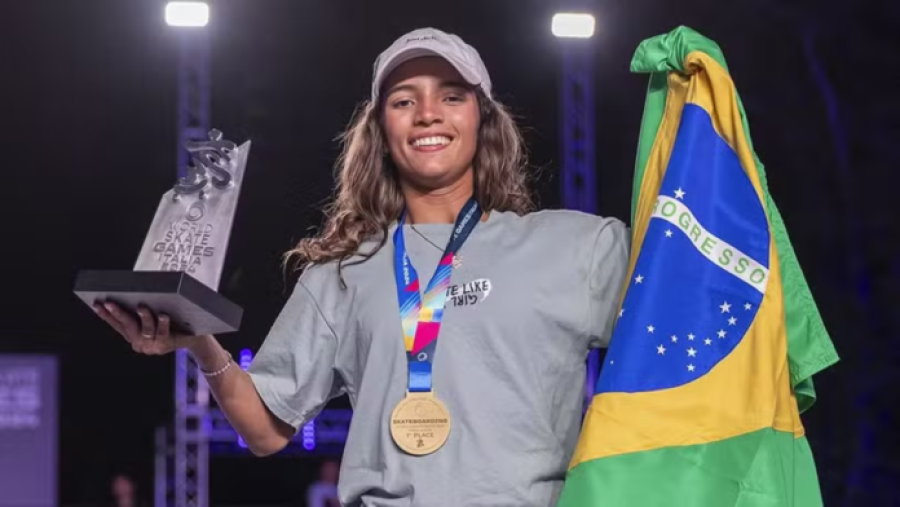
{"points": [[434, 177]]}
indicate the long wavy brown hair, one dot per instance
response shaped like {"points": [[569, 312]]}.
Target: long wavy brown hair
{"points": [[368, 196]]}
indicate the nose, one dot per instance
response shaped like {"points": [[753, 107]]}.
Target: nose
{"points": [[428, 112]]}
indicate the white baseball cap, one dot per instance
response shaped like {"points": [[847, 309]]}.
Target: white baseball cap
{"points": [[431, 42]]}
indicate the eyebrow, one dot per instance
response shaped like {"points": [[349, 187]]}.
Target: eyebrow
{"points": [[455, 83]]}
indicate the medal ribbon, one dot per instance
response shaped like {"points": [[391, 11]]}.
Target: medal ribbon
{"points": [[421, 317]]}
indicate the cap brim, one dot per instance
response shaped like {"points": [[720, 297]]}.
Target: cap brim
{"points": [[413, 51]]}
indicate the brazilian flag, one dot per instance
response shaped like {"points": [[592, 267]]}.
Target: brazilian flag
{"points": [[711, 361]]}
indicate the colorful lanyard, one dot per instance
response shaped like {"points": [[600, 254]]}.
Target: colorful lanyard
{"points": [[422, 322]]}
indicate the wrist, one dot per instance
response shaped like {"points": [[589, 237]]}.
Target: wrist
{"points": [[208, 353], [200, 344], [229, 361]]}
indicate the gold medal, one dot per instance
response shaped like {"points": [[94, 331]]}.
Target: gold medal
{"points": [[420, 423]]}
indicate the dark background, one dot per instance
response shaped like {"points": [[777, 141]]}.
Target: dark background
{"points": [[87, 107]]}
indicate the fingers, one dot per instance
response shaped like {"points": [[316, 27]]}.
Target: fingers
{"points": [[162, 326], [105, 314], [122, 322], [128, 326], [148, 326], [147, 334], [164, 342]]}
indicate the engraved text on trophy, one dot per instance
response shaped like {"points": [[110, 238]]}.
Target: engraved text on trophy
{"points": [[191, 229]]}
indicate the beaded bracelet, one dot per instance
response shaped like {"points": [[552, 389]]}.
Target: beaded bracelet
{"points": [[220, 370]]}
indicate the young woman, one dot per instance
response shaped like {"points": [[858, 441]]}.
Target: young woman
{"points": [[455, 318]]}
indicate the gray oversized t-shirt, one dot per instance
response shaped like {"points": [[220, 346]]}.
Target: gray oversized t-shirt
{"points": [[532, 295]]}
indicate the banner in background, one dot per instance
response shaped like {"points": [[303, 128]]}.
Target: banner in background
{"points": [[28, 431]]}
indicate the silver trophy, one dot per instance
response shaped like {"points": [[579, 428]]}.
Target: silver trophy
{"points": [[180, 264]]}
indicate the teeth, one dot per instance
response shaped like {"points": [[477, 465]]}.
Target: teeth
{"points": [[431, 141]]}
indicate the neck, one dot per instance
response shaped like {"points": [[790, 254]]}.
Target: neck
{"points": [[441, 205]]}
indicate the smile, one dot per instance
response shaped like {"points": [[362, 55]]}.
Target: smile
{"points": [[431, 142]]}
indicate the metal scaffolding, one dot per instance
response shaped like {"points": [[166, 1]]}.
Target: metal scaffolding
{"points": [[579, 191], [188, 486]]}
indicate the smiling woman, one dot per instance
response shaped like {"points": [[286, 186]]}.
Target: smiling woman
{"points": [[429, 135], [433, 164], [431, 121]]}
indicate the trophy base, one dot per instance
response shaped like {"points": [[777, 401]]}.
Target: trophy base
{"points": [[194, 308]]}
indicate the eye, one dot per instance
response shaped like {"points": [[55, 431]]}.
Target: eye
{"points": [[455, 97], [401, 103]]}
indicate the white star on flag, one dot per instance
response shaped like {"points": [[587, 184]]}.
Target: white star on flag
{"points": [[680, 307]]}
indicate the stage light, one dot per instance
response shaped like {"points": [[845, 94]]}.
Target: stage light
{"points": [[245, 358], [193, 14], [570, 25], [309, 435]]}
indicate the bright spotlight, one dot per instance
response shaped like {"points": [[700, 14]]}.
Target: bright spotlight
{"points": [[579, 26], [187, 13]]}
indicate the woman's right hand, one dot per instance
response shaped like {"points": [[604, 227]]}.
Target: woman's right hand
{"points": [[147, 335]]}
